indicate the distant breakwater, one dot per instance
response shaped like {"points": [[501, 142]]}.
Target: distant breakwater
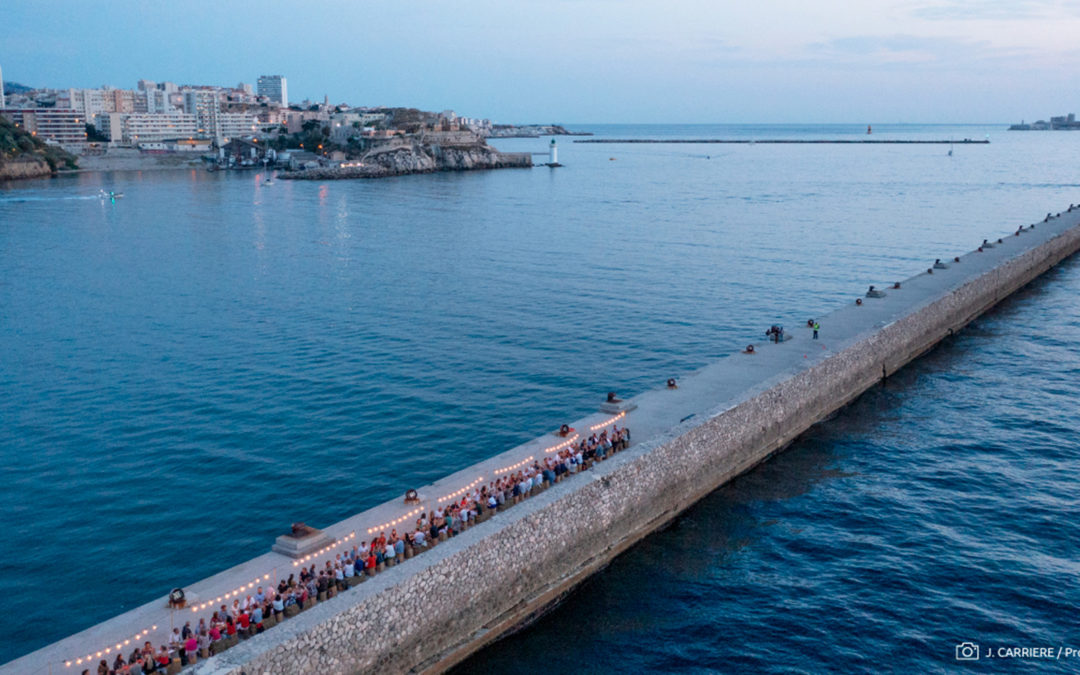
{"points": [[793, 141]]}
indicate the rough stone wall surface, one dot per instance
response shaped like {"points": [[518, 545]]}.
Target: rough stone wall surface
{"points": [[24, 168], [508, 566]]}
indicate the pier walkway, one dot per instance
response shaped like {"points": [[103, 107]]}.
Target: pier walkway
{"points": [[792, 141]]}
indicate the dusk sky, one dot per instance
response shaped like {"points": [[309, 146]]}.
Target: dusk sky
{"points": [[581, 60]]}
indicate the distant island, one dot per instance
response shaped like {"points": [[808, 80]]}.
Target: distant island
{"points": [[1063, 122], [24, 155]]}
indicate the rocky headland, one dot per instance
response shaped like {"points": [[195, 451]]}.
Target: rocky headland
{"points": [[426, 153], [24, 155]]}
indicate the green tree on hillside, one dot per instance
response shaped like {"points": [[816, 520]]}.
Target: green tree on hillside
{"points": [[16, 143]]}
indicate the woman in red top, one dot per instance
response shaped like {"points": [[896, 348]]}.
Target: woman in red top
{"points": [[230, 628]]}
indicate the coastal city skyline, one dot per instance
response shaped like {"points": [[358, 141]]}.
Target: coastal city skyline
{"points": [[896, 61]]}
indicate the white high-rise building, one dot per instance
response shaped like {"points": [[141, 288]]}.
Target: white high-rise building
{"points": [[204, 104], [274, 88], [157, 101], [3, 103], [88, 102]]}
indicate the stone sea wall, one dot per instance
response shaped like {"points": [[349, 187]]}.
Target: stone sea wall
{"points": [[441, 606]]}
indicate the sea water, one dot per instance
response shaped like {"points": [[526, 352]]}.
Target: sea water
{"points": [[188, 370]]}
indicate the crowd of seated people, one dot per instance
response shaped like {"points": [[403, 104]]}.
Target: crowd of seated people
{"points": [[270, 605]]}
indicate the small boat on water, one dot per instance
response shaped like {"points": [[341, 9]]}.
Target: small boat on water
{"points": [[268, 181], [110, 194]]}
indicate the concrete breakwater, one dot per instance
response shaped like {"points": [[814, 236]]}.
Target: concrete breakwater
{"points": [[796, 141], [720, 421]]}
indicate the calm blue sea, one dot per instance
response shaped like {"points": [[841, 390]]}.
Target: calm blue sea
{"points": [[187, 371]]}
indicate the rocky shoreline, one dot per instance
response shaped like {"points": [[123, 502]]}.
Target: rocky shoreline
{"points": [[18, 169], [415, 157]]}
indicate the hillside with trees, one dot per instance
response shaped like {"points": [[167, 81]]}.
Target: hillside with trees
{"points": [[23, 155]]}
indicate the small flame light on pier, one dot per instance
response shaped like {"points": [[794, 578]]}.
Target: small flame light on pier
{"points": [[610, 421]]}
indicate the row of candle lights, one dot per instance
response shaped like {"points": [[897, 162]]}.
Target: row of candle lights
{"points": [[565, 444], [610, 421], [514, 466], [371, 530], [108, 650], [395, 521], [462, 491]]}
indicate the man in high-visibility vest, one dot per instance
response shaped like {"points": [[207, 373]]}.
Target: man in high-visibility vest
{"points": [[817, 327]]}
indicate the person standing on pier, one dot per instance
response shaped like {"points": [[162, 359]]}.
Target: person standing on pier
{"points": [[817, 327]]}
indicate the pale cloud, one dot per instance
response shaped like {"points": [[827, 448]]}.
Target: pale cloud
{"points": [[913, 49], [689, 60], [994, 10]]}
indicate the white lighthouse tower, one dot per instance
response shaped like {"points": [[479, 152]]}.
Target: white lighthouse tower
{"points": [[553, 158]]}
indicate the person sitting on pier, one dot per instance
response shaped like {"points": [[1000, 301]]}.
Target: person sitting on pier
{"points": [[163, 658], [215, 633], [257, 619]]}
